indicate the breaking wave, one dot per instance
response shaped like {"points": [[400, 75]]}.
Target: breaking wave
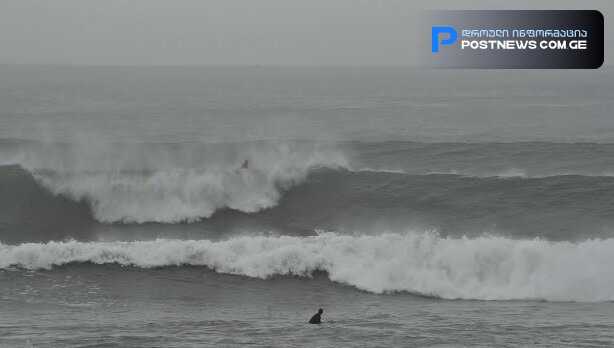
{"points": [[183, 185], [484, 268], [175, 195]]}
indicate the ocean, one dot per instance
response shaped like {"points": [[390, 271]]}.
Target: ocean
{"points": [[418, 208]]}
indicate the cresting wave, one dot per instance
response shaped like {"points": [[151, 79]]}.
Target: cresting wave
{"points": [[485, 268], [185, 184], [175, 195], [304, 184], [310, 189]]}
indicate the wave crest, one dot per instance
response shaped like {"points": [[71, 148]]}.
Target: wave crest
{"points": [[170, 196], [485, 268], [169, 190]]}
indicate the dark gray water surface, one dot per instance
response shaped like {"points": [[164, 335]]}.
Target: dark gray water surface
{"points": [[418, 208]]}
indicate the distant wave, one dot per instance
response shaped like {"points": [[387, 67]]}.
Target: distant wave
{"points": [[509, 173], [175, 195], [320, 185], [188, 182], [158, 185], [485, 268]]}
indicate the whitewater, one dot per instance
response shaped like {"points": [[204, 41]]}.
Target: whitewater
{"points": [[172, 183], [486, 268]]}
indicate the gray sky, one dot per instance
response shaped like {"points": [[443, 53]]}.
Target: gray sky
{"points": [[230, 32]]}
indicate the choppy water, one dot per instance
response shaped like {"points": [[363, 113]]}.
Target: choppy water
{"points": [[418, 208]]}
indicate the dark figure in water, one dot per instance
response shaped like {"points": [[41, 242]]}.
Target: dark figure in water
{"points": [[316, 319], [245, 164]]}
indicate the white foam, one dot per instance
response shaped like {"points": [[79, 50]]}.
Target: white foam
{"points": [[161, 190], [169, 196], [485, 268]]}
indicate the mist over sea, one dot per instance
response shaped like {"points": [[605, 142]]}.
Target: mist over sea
{"points": [[417, 207]]}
